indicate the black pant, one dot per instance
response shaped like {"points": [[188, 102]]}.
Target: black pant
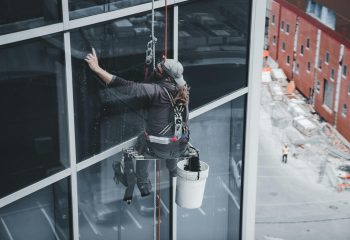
{"points": [[142, 165], [284, 158]]}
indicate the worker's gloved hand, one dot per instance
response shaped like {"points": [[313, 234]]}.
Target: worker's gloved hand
{"points": [[92, 60]]}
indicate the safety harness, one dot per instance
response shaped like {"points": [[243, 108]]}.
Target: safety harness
{"points": [[179, 125]]}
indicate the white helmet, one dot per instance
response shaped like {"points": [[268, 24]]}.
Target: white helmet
{"points": [[175, 70]]}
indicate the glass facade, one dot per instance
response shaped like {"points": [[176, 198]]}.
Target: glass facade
{"points": [[84, 8], [21, 15], [43, 215], [34, 136], [104, 117], [219, 134], [63, 128], [213, 40]]}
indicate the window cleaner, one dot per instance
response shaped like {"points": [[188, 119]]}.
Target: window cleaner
{"points": [[166, 133]]}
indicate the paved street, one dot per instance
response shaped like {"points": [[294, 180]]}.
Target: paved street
{"points": [[295, 200]]}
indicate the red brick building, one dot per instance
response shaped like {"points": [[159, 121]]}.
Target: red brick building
{"points": [[286, 41], [343, 115], [274, 30], [310, 40], [326, 68], [305, 57]]}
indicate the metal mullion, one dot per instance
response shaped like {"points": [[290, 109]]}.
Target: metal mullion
{"points": [[31, 33], [182, 1], [34, 187], [65, 13], [71, 134], [252, 127], [219, 102], [173, 209], [176, 33]]}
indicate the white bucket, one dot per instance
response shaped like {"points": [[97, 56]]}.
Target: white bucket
{"points": [[190, 189]]}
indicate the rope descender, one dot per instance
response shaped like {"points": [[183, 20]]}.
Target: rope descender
{"points": [[151, 45]]}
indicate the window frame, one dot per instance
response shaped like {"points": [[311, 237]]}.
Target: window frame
{"points": [[308, 67], [327, 57], [344, 110], [302, 50], [344, 67], [288, 60]]}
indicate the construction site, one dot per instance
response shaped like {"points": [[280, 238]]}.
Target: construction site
{"points": [[307, 198]]}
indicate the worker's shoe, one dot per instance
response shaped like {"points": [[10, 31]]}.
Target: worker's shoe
{"points": [[145, 187]]}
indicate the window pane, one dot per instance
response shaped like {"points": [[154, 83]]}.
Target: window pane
{"points": [[84, 8], [33, 125], [43, 215], [328, 94], [219, 136], [103, 213], [213, 42], [17, 15], [104, 116]]}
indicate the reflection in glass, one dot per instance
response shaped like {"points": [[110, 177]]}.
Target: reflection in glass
{"points": [[33, 123], [84, 8], [43, 215], [219, 135], [213, 43], [103, 213], [105, 117], [17, 15]]}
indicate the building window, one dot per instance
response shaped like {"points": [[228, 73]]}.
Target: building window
{"points": [[328, 93], [344, 110], [273, 19], [349, 89], [327, 57], [332, 73], [287, 28], [297, 69], [274, 40], [308, 43], [345, 70], [288, 60], [321, 13], [283, 46], [302, 50], [318, 86], [308, 66], [320, 64], [282, 26]]}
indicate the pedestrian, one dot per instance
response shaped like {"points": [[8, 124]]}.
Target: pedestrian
{"points": [[285, 152], [166, 133]]}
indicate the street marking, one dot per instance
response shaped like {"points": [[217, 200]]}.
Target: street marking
{"points": [[301, 203], [202, 211], [290, 176], [134, 219], [229, 193], [115, 228], [164, 206], [92, 226], [49, 220], [7, 229]]}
